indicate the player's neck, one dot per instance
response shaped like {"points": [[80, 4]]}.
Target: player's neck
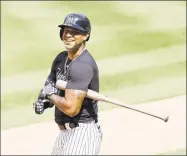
{"points": [[74, 53]]}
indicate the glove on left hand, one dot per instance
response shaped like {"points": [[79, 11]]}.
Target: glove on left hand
{"points": [[38, 106]]}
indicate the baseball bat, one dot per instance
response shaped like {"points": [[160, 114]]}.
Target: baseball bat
{"points": [[99, 97]]}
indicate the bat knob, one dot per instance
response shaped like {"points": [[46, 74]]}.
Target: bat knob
{"points": [[166, 119]]}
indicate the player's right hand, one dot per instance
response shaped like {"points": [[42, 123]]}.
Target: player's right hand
{"points": [[48, 90]]}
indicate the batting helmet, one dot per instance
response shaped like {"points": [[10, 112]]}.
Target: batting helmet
{"points": [[76, 21]]}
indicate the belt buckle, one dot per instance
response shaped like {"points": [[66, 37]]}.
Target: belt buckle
{"points": [[67, 126]]}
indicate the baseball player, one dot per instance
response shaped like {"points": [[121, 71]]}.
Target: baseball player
{"points": [[75, 114]]}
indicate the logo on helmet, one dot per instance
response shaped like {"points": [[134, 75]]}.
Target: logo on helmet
{"points": [[71, 20]]}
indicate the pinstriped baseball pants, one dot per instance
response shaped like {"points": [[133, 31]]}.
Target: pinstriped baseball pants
{"points": [[83, 140]]}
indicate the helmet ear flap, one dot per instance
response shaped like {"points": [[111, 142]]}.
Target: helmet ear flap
{"points": [[61, 33]]}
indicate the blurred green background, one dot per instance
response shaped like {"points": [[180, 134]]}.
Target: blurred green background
{"points": [[140, 48]]}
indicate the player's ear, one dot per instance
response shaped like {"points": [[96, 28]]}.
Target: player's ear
{"points": [[85, 38]]}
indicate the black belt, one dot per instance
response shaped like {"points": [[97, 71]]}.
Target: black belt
{"points": [[67, 126]]}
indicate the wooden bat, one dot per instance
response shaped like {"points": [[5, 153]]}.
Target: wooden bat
{"points": [[60, 84]]}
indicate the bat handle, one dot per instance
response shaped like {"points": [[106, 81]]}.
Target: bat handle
{"points": [[116, 102]]}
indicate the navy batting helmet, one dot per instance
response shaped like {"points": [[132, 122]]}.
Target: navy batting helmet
{"points": [[76, 21]]}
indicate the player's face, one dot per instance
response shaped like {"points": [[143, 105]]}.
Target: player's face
{"points": [[73, 38]]}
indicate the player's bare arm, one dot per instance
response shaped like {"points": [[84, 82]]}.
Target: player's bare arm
{"points": [[71, 103]]}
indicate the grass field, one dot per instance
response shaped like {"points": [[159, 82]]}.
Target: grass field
{"points": [[140, 48]]}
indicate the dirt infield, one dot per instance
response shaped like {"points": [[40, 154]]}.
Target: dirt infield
{"points": [[124, 131]]}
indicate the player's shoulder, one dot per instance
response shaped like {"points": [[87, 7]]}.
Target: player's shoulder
{"points": [[85, 62], [87, 58], [60, 56]]}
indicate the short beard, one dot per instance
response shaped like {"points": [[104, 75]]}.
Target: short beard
{"points": [[77, 47]]}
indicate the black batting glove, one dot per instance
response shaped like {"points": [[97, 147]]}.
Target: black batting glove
{"points": [[48, 90], [47, 103], [38, 106]]}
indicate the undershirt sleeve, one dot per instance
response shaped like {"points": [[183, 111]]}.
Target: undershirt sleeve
{"points": [[52, 77], [80, 76]]}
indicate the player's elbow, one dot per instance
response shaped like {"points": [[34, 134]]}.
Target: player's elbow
{"points": [[73, 107], [72, 112]]}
